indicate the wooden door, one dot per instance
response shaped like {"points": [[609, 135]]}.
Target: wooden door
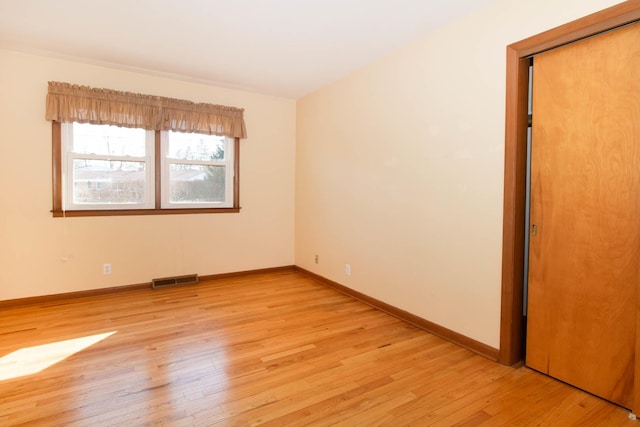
{"points": [[585, 208]]}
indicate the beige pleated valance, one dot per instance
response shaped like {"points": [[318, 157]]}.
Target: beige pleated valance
{"points": [[83, 104]]}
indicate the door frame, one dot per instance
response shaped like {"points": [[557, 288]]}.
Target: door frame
{"points": [[515, 160]]}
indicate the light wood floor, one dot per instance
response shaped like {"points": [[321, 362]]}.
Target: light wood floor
{"points": [[268, 349]]}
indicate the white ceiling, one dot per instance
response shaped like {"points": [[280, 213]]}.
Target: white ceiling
{"points": [[280, 47]]}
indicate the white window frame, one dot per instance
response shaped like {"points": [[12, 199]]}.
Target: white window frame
{"points": [[68, 156], [228, 162]]}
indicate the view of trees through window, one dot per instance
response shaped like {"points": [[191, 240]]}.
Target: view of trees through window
{"points": [[195, 175]]}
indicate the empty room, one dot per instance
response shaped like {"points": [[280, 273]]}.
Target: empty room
{"points": [[294, 213]]}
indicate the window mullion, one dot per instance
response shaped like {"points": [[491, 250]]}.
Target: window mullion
{"points": [[236, 173], [158, 169]]}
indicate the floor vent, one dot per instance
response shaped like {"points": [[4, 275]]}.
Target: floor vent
{"points": [[189, 279]]}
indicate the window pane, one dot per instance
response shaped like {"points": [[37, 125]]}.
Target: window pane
{"points": [[105, 182], [195, 146], [196, 183], [108, 140]]}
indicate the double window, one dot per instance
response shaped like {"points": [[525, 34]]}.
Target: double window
{"points": [[106, 169]]}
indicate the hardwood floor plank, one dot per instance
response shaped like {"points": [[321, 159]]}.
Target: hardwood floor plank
{"points": [[272, 349]]}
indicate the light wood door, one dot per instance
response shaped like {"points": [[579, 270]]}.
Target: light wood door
{"points": [[585, 208]]}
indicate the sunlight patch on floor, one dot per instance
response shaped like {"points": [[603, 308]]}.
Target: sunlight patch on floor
{"points": [[31, 360]]}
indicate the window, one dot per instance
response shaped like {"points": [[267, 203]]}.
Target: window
{"points": [[197, 170], [107, 167], [118, 153]]}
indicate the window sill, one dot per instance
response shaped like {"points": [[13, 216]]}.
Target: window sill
{"points": [[127, 212]]}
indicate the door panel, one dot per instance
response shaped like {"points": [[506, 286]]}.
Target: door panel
{"points": [[585, 204]]}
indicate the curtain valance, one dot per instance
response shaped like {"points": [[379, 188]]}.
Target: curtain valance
{"points": [[73, 103]]}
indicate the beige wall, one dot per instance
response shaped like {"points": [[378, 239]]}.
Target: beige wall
{"points": [[33, 243], [400, 169]]}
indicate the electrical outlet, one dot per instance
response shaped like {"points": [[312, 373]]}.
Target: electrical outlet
{"points": [[347, 269], [106, 269], [317, 259]]}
